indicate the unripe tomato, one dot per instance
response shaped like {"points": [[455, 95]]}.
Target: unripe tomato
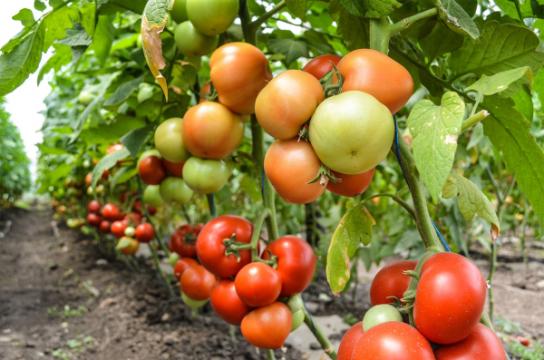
{"points": [[86, 97], [93, 219], [111, 212], [127, 246], [211, 130], [183, 264], [227, 303], [197, 282], [375, 73], [130, 231], [482, 343], [118, 228], [211, 250], [296, 305], [238, 72], [392, 340], [379, 314], [296, 263], [287, 102], [321, 65], [179, 11], [144, 232], [267, 327], [173, 189], [151, 170], [390, 282], [351, 185], [169, 140], [352, 132], [152, 195], [258, 284], [290, 165], [212, 17], [192, 303], [93, 207], [206, 176], [348, 342], [450, 298], [191, 42], [173, 169], [104, 226]]}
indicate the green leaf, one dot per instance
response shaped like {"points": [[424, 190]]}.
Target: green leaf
{"points": [[435, 130], [292, 49], [39, 5], [56, 24], [355, 228], [25, 16], [354, 30], [471, 200], [457, 18], [107, 133], [134, 140], [61, 57], [103, 38], [370, 8], [107, 162], [298, 7], [494, 84], [123, 92], [440, 40], [123, 175], [510, 133]]}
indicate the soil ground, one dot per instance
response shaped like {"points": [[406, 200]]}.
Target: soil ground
{"points": [[60, 299]]}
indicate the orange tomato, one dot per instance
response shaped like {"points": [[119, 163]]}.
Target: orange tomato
{"points": [[351, 185]]}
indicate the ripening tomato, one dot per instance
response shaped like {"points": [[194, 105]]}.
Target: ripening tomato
{"points": [[191, 42], [152, 195], [290, 165], [179, 11], [111, 212], [144, 232], [173, 169], [192, 303], [287, 102], [450, 298], [211, 250], [296, 263], [239, 71], [267, 327], [183, 264], [392, 341], [94, 207], [227, 303], [379, 314], [350, 185], [197, 282], [321, 65], [104, 226], [212, 17], [258, 284], [169, 140], [348, 342], [211, 130], [93, 219], [482, 343], [379, 75], [352, 132], [173, 189], [151, 170], [118, 228], [206, 176], [127, 245], [390, 282]]}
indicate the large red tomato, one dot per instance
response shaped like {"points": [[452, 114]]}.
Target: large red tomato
{"points": [[296, 263], [450, 298], [183, 264], [144, 232], [287, 102], [211, 130], [211, 250], [392, 341], [349, 340], [290, 165], [197, 283], [321, 65], [390, 282], [238, 72], [183, 240], [482, 343], [267, 327], [258, 284], [350, 185], [151, 170], [375, 73], [227, 304]]}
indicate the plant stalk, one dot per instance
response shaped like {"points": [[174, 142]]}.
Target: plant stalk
{"points": [[325, 343]]}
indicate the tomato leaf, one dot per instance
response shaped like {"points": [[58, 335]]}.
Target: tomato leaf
{"points": [[494, 84], [298, 7], [354, 228], [369, 8], [103, 38], [134, 140], [122, 176], [107, 162], [435, 130], [456, 18], [291, 49], [123, 92]]}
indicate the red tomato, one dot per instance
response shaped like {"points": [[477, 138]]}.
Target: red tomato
{"points": [[390, 283], [238, 89], [392, 341], [93, 207], [111, 212], [258, 284], [173, 169], [89, 179], [133, 218], [227, 304], [118, 228], [296, 263], [93, 219], [290, 165], [151, 170], [377, 74], [350, 185], [144, 232], [183, 240], [183, 264], [267, 327], [482, 343], [321, 65], [104, 226], [211, 250], [450, 298], [349, 340], [197, 283]]}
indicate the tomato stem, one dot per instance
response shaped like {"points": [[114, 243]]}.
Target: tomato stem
{"points": [[397, 199], [474, 119], [267, 15], [325, 343], [405, 23], [270, 354], [256, 235]]}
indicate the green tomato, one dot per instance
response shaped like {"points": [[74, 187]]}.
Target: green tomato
{"points": [[191, 42], [352, 132], [152, 196], [298, 319], [206, 176], [212, 17], [179, 11], [191, 303], [174, 189], [379, 314], [169, 140], [130, 231], [85, 97], [173, 259], [295, 303]]}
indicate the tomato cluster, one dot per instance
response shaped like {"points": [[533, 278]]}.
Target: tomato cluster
{"points": [[448, 304]]}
